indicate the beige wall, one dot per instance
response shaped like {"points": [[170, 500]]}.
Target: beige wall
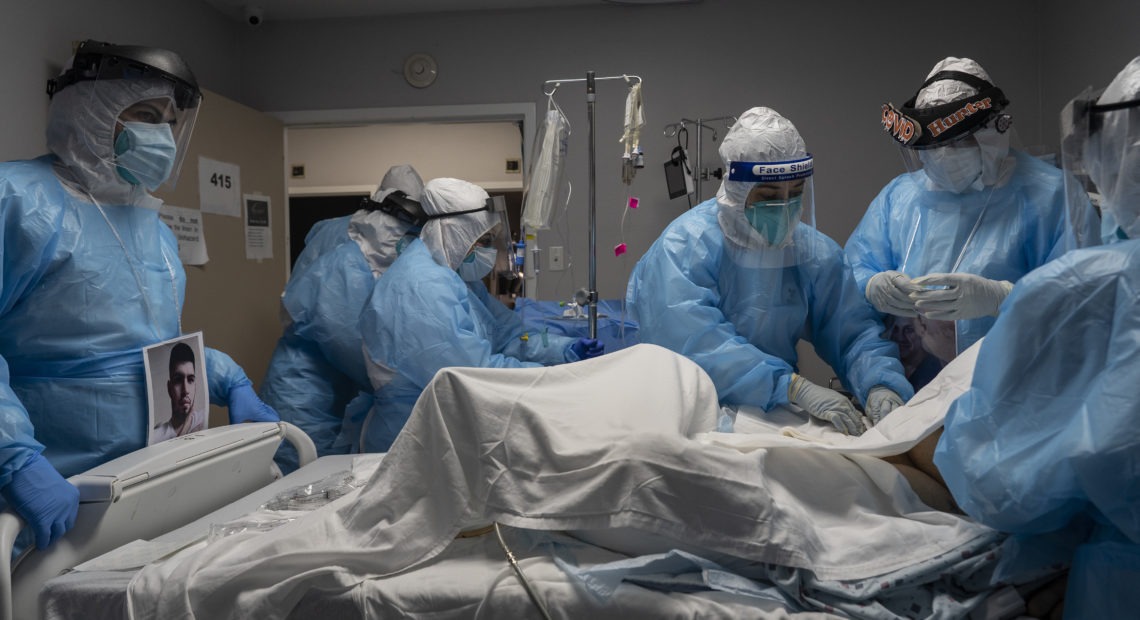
{"points": [[354, 159], [232, 300]]}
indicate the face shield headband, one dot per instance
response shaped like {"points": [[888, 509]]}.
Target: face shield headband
{"points": [[397, 204], [935, 126], [771, 172], [104, 61]]}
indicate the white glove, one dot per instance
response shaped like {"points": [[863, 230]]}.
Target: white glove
{"points": [[889, 292], [826, 404], [880, 402], [966, 296]]}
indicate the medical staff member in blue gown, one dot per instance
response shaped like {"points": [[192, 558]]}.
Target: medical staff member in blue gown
{"points": [[431, 310], [400, 181], [316, 378], [90, 275], [945, 241], [1046, 443], [736, 282]]}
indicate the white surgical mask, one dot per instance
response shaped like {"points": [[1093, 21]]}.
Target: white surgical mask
{"points": [[953, 169], [477, 264], [145, 153]]}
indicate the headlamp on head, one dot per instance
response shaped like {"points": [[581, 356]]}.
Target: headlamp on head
{"points": [[95, 60], [940, 125], [398, 205]]}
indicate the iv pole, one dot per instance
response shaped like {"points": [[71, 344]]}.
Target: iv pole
{"points": [[590, 80], [672, 129]]}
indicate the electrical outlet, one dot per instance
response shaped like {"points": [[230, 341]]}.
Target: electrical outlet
{"points": [[557, 261]]}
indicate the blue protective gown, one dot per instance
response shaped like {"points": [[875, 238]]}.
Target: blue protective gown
{"points": [[322, 238], [1049, 432], [741, 324], [318, 368], [422, 317], [77, 305], [1024, 224]]}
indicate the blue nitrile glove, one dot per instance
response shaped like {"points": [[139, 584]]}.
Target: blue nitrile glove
{"points": [[585, 348], [44, 499], [245, 406], [825, 404]]}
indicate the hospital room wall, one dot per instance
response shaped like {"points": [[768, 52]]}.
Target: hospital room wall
{"points": [[828, 65]]}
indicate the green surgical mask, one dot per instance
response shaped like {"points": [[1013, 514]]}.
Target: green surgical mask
{"points": [[775, 219]]}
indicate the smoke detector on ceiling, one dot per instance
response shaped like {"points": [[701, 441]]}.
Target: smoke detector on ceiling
{"points": [[420, 70]]}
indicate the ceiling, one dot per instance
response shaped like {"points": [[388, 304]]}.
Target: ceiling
{"points": [[268, 11]]}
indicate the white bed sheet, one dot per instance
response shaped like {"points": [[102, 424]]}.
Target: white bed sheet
{"points": [[470, 579], [606, 443]]}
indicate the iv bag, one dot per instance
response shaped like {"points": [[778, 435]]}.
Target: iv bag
{"points": [[544, 182]]}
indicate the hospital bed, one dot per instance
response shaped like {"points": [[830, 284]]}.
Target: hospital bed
{"points": [[493, 464], [144, 494]]}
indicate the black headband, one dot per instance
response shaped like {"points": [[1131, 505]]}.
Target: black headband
{"points": [[398, 205], [920, 128]]}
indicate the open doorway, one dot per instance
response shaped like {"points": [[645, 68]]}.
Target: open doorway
{"points": [[336, 157]]}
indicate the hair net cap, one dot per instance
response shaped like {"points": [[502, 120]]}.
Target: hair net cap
{"points": [[761, 134], [945, 91], [403, 178], [450, 238], [1125, 86]]}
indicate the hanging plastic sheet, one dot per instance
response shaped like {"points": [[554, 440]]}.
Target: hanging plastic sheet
{"points": [[544, 183]]}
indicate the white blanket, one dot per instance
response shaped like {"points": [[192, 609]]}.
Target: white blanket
{"points": [[604, 443], [898, 432]]}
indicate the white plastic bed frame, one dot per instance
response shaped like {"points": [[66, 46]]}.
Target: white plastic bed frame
{"points": [[144, 494]]}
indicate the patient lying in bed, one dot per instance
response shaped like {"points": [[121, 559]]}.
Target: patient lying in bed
{"points": [[624, 442]]}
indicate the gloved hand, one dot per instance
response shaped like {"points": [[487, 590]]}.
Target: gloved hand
{"points": [[966, 296], [585, 348], [826, 404], [44, 499], [245, 406], [880, 402], [889, 292]]}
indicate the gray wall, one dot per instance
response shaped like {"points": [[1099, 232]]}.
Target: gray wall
{"points": [[827, 65], [36, 39], [1083, 44]]}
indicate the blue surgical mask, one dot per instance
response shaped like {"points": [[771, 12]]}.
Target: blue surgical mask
{"points": [[775, 219], [478, 263], [145, 153]]}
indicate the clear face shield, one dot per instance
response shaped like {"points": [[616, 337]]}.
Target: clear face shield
{"points": [[1100, 153], [154, 99], [490, 254], [957, 147], [763, 203]]}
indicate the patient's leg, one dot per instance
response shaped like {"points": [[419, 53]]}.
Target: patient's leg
{"points": [[928, 489], [922, 456]]}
